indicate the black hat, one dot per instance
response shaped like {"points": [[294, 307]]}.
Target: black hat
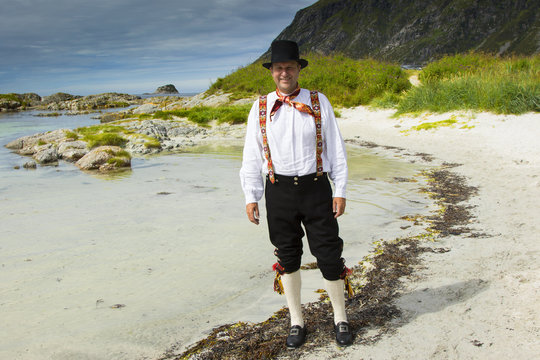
{"points": [[285, 50]]}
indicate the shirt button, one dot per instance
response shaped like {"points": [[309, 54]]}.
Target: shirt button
{"points": [[295, 183], [295, 178], [315, 179]]}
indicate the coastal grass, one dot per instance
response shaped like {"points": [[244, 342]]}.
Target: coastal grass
{"points": [[345, 81], [120, 158], [203, 115], [478, 82], [101, 135], [72, 135], [103, 139], [151, 142]]}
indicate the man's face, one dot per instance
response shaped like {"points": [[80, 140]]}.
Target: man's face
{"points": [[285, 75]]}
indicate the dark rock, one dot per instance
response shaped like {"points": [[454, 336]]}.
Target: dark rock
{"points": [[166, 89], [30, 165], [15, 102], [32, 99], [9, 105], [59, 97]]}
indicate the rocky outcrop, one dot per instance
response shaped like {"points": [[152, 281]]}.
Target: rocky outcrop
{"points": [[26, 145], [9, 105], [45, 154], [95, 102], [15, 102], [166, 89], [49, 147], [105, 158], [148, 108], [72, 150], [416, 32], [73, 104], [59, 97], [143, 137]]}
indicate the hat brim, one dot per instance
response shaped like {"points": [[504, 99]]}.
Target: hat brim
{"points": [[303, 63]]}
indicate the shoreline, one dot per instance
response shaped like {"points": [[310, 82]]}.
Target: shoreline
{"points": [[474, 294]]}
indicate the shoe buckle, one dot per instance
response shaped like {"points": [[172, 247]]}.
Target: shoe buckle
{"points": [[295, 332], [343, 328]]}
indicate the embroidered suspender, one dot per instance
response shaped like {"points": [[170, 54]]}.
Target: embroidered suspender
{"points": [[315, 105], [266, 148]]}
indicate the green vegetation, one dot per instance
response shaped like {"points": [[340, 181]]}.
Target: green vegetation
{"points": [[104, 139], [100, 135], [435, 124], [152, 143], [346, 82], [72, 135], [203, 115], [478, 82], [12, 97], [120, 158]]}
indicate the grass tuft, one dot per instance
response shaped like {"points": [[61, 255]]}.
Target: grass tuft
{"points": [[477, 82]]}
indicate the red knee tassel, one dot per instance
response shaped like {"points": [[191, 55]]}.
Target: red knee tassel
{"points": [[278, 285], [345, 276]]}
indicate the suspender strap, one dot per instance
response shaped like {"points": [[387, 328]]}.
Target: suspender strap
{"points": [[316, 107], [266, 148]]}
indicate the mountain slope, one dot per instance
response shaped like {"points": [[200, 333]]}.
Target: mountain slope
{"points": [[416, 31]]}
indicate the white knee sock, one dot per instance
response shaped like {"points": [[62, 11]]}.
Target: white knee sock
{"points": [[292, 284], [336, 293]]}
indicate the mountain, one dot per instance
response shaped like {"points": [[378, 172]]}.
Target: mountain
{"points": [[416, 31]]}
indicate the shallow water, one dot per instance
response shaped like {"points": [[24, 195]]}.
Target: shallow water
{"points": [[122, 267]]}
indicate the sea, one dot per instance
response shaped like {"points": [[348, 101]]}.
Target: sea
{"points": [[126, 266]]}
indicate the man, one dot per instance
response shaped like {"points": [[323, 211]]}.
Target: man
{"points": [[292, 137]]}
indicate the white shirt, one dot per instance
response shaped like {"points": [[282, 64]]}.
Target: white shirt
{"points": [[291, 137]]}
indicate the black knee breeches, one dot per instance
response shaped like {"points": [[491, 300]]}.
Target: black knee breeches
{"points": [[295, 200]]}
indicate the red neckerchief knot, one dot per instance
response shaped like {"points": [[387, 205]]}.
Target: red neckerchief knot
{"points": [[287, 99]]}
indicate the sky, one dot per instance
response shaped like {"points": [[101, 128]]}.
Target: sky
{"points": [[133, 46]]}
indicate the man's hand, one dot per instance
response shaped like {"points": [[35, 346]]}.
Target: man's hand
{"points": [[252, 210], [338, 206]]}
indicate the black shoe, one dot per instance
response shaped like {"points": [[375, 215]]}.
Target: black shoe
{"points": [[343, 333], [297, 336]]}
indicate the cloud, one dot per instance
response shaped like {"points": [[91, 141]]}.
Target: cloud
{"points": [[76, 40]]}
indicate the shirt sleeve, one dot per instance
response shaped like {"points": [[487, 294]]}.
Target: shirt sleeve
{"points": [[251, 177], [335, 148]]}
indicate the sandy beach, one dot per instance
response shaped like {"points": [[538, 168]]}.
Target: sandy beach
{"points": [[480, 299]]}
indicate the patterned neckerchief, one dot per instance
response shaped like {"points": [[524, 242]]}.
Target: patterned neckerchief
{"points": [[287, 99]]}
